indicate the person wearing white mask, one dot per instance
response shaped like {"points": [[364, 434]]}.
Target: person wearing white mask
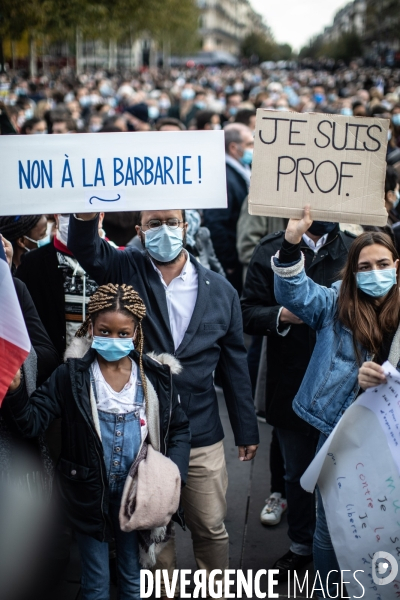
{"points": [[207, 120], [59, 287], [164, 103], [95, 123], [34, 126]]}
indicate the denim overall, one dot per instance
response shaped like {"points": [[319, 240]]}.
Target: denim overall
{"points": [[121, 439]]}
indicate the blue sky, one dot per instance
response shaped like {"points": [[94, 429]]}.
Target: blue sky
{"points": [[295, 21]]}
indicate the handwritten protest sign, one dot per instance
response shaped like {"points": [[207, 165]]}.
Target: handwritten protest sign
{"points": [[336, 164], [358, 474], [112, 172]]}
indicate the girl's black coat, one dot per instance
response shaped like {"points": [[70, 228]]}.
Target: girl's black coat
{"points": [[81, 468]]}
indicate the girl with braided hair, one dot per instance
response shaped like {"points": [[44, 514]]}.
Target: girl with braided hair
{"points": [[111, 398]]}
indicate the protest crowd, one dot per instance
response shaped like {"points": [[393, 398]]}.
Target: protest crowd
{"points": [[136, 318]]}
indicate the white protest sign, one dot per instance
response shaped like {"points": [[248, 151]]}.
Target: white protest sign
{"points": [[358, 474], [93, 172], [336, 164]]}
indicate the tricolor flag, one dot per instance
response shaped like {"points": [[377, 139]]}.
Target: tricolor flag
{"points": [[14, 339]]}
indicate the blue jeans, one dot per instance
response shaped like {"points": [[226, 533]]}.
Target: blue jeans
{"points": [[121, 438], [95, 579], [324, 555], [298, 451]]}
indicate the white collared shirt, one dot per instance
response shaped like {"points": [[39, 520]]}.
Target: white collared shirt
{"points": [[315, 246], [181, 295]]}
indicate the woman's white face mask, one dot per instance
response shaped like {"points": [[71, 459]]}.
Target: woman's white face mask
{"points": [[62, 228]]}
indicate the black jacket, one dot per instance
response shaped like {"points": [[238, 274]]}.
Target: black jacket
{"points": [[222, 222], [213, 338], [81, 468], [47, 359], [44, 280], [12, 444], [287, 356]]}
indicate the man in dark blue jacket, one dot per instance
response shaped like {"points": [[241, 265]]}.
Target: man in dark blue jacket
{"points": [[222, 222], [194, 314]]}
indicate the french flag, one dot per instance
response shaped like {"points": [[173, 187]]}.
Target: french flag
{"points": [[14, 339]]}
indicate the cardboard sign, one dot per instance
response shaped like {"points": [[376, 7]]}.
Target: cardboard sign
{"points": [[358, 474], [94, 172], [334, 163]]}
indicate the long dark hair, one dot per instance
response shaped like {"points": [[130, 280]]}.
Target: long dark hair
{"points": [[368, 319]]}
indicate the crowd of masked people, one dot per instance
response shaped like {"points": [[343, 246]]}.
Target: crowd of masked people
{"points": [[134, 318]]}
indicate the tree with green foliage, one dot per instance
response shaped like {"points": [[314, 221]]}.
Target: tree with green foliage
{"points": [[347, 47], [264, 48], [284, 52], [312, 49], [382, 20], [171, 21], [16, 18]]}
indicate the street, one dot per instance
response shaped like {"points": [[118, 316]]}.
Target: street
{"points": [[252, 546]]}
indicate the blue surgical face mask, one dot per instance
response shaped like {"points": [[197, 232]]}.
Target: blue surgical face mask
{"points": [[396, 119], [112, 349], [154, 112], [319, 98], [346, 111], [43, 242], [163, 244], [247, 157], [164, 103], [233, 111], [95, 127], [188, 94], [377, 282]]}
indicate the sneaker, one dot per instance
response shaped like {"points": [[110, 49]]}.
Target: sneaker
{"points": [[275, 505], [291, 562]]}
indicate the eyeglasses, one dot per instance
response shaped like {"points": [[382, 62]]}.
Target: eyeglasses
{"points": [[156, 224]]}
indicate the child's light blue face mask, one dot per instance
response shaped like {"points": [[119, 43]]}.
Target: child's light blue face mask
{"points": [[376, 283], [112, 349]]}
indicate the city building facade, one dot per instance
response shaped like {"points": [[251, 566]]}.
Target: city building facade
{"points": [[350, 18], [225, 23]]}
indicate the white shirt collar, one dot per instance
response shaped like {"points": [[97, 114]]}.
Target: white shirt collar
{"points": [[315, 246], [182, 274]]}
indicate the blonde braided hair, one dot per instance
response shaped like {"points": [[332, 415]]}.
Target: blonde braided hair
{"points": [[115, 297]]}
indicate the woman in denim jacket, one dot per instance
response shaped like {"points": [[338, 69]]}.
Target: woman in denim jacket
{"points": [[357, 325]]}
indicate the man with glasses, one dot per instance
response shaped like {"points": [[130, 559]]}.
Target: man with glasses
{"points": [[194, 314]]}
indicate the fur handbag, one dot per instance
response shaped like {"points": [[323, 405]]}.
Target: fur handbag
{"points": [[151, 492]]}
